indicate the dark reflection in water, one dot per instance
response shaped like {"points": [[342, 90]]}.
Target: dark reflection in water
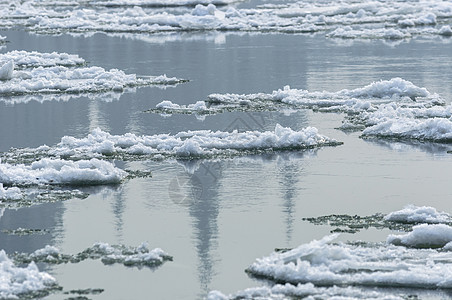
{"points": [[411, 145]]}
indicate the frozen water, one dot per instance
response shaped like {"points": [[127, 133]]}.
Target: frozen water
{"points": [[61, 79], [289, 291], [30, 59], [16, 282], [57, 171], [418, 214], [323, 263], [424, 235], [186, 144], [349, 19], [12, 193], [108, 254]]}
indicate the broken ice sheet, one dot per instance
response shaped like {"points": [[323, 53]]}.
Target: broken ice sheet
{"points": [[140, 256]]}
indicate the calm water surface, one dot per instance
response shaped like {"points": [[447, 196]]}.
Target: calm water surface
{"points": [[217, 216]]}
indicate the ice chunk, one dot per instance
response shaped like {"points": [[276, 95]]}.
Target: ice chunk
{"points": [[28, 59], [424, 235], [6, 70], [418, 214], [383, 265], [16, 282], [185, 144], [12, 193], [57, 171]]}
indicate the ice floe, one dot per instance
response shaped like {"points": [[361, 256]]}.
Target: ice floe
{"points": [[108, 254], [324, 263], [57, 171], [33, 74], [12, 193], [17, 282], [418, 214], [30, 59], [185, 144], [307, 290], [349, 19], [425, 236]]}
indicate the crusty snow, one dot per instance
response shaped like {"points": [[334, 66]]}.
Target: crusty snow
{"points": [[185, 144], [11, 193], [58, 171], [347, 19], [323, 263], [424, 235], [15, 281], [418, 214]]}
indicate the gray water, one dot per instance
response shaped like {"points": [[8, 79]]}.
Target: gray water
{"points": [[217, 216]]}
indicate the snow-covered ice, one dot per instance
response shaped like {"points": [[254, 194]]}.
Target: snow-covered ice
{"points": [[347, 19], [108, 254], [11, 193], [58, 171], [29, 59], [424, 235], [307, 290], [384, 265], [16, 282], [418, 214], [185, 144]]}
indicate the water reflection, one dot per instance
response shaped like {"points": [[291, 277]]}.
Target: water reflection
{"points": [[409, 146]]}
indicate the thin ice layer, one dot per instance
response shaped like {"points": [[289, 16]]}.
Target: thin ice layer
{"points": [[383, 265], [184, 144], [58, 171], [160, 3], [289, 291], [108, 254], [418, 214], [16, 282]]}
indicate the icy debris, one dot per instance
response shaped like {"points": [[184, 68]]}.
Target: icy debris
{"points": [[30, 59], [185, 144], [289, 291], [61, 79], [57, 171], [424, 236], [6, 70], [436, 129], [10, 194], [16, 282], [108, 254], [383, 265], [418, 214], [160, 3], [375, 19]]}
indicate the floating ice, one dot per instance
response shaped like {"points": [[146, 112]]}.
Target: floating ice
{"points": [[108, 254], [60, 79], [16, 282], [12, 193], [186, 144], [424, 236], [6, 70], [370, 19], [289, 291], [29, 59], [418, 214], [160, 3], [57, 171], [382, 265], [436, 129]]}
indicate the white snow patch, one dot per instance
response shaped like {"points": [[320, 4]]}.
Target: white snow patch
{"points": [[418, 214], [323, 263], [424, 235], [15, 281], [6, 70], [12, 193], [57, 171]]}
